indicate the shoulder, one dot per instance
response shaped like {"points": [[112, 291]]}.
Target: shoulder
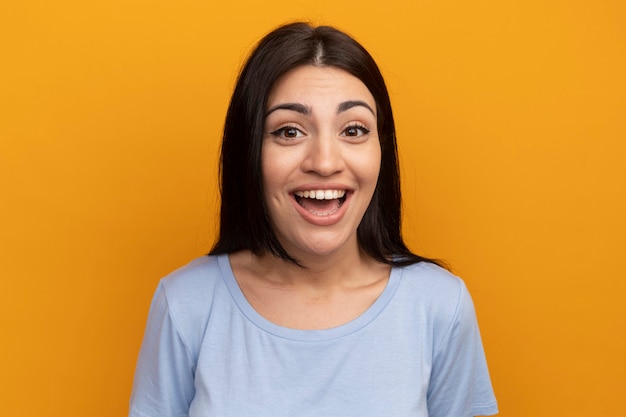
{"points": [[189, 293], [439, 296], [194, 279], [430, 281]]}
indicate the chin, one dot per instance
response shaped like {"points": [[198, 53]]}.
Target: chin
{"points": [[324, 247]]}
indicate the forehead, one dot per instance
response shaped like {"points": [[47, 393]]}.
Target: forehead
{"points": [[311, 83]]}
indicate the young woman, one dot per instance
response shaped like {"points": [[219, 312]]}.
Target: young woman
{"points": [[310, 303]]}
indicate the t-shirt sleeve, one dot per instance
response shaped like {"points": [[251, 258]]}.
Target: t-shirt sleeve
{"points": [[460, 385], [164, 377]]}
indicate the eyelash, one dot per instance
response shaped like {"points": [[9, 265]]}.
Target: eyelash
{"points": [[357, 126], [281, 132]]}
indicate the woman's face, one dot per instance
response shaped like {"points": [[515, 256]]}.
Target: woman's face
{"points": [[320, 159]]}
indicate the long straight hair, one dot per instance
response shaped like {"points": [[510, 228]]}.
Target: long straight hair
{"points": [[244, 219]]}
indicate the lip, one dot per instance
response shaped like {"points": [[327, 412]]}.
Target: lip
{"points": [[330, 219], [321, 186]]}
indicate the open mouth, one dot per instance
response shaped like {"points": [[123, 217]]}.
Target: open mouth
{"points": [[321, 202]]}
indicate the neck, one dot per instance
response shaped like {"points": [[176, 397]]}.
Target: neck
{"points": [[326, 271], [323, 293]]}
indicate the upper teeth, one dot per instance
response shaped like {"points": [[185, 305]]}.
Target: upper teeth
{"points": [[321, 194]]}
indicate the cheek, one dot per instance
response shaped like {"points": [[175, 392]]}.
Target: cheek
{"points": [[369, 166], [274, 172], [267, 167], [376, 162]]}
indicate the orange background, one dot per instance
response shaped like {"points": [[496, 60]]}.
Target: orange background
{"points": [[511, 123]]}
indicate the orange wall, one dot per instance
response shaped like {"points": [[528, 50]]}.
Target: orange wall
{"points": [[511, 119]]}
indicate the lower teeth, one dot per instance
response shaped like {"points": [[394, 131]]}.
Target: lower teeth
{"points": [[312, 210]]}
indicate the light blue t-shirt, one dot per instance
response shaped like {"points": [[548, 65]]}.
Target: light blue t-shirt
{"points": [[415, 352]]}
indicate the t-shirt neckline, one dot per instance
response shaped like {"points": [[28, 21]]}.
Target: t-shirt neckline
{"points": [[343, 330]]}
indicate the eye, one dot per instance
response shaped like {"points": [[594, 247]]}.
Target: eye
{"points": [[288, 132], [355, 131]]}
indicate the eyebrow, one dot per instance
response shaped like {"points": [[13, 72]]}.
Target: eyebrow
{"points": [[302, 109], [347, 105], [297, 107]]}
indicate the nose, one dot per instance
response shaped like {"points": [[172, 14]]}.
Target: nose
{"points": [[323, 156]]}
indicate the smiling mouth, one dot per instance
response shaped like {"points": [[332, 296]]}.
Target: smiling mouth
{"points": [[321, 202]]}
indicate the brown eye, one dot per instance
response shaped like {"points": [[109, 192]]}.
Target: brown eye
{"points": [[355, 131], [288, 132], [291, 132], [352, 131]]}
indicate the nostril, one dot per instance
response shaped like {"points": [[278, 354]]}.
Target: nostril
{"points": [[323, 165]]}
